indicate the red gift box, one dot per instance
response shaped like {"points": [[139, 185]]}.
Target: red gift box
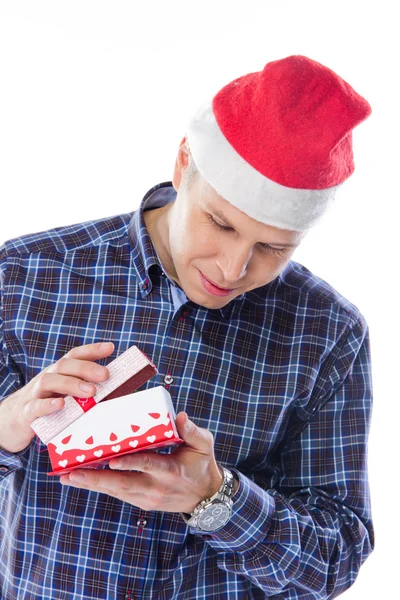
{"points": [[89, 431], [128, 372], [140, 421]]}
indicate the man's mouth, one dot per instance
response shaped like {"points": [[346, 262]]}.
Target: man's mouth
{"points": [[213, 289]]}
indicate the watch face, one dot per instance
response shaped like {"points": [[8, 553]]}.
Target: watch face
{"points": [[214, 516]]}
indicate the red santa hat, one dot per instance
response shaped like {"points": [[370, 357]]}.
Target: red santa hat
{"points": [[277, 143]]}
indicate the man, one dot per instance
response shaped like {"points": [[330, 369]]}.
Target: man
{"points": [[267, 365]]}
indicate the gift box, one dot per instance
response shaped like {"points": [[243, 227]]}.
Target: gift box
{"points": [[140, 421], [128, 372], [87, 432]]}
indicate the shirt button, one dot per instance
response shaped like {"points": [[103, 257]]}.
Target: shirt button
{"points": [[141, 523], [168, 379], [3, 469]]}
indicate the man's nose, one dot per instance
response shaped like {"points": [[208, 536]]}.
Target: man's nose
{"points": [[234, 262]]}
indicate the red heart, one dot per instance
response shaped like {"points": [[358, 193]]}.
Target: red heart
{"points": [[66, 439], [155, 415], [113, 437], [135, 428], [89, 440]]}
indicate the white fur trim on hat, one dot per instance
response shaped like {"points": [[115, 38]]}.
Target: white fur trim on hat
{"points": [[246, 188]]}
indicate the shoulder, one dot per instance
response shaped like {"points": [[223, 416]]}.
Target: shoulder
{"points": [[78, 244], [68, 238], [303, 302], [309, 291]]}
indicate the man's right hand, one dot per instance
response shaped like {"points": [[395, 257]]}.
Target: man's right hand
{"points": [[41, 396]]}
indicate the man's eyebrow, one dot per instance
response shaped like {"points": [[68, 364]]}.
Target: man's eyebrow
{"points": [[221, 216]]}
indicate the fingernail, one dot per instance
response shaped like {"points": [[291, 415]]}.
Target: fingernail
{"points": [[106, 346], [116, 464], [86, 387], [77, 476]]}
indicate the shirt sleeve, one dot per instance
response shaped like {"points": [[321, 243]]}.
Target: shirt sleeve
{"points": [[10, 380], [308, 537]]}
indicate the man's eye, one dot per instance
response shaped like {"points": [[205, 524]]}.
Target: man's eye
{"points": [[265, 247], [269, 248], [217, 225]]}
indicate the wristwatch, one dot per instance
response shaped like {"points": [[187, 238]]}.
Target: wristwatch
{"points": [[213, 513]]}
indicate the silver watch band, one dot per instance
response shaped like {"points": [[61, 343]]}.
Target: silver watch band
{"points": [[223, 497]]}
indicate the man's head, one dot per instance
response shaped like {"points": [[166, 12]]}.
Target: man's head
{"points": [[207, 238], [271, 149]]}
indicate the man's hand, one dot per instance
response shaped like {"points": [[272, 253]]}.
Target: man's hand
{"points": [[171, 483], [41, 395]]}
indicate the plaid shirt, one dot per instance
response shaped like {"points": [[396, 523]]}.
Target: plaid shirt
{"points": [[280, 376]]}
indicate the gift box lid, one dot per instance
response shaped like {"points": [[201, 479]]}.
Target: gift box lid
{"points": [[128, 372]]}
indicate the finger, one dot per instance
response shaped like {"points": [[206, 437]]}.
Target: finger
{"points": [[136, 499], [51, 384], [144, 462], [91, 351], [107, 480], [71, 375], [40, 407], [198, 438], [74, 367]]}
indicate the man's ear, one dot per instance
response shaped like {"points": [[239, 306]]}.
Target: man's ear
{"points": [[181, 162]]}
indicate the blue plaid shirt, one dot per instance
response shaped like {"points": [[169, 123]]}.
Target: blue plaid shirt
{"points": [[280, 376]]}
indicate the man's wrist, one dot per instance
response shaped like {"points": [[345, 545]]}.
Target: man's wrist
{"points": [[236, 483], [212, 513]]}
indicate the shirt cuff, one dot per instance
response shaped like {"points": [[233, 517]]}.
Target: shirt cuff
{"points": [[10, 461], [252, 513]]}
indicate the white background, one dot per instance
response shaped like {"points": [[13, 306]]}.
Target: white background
{"points": [[94, 100]]}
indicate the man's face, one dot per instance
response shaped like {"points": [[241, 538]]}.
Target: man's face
{"points": [[213, 242]]}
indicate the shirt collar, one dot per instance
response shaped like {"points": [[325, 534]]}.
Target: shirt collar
{"points": [[145, 256], [143, 252]]}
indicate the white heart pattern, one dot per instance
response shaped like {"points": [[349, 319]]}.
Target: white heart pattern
{"points": [[81, 458], [63, 463], [169, 433], [98, 453], [134, 443], [116, 448], [151, 438]]}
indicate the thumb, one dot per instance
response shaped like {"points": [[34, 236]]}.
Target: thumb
{"points": [[198, 438]]}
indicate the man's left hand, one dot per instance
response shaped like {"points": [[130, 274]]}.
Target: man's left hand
{"points": [[174, 482]]}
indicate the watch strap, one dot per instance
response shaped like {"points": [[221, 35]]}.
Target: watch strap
{"points": [[224, 495]]}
